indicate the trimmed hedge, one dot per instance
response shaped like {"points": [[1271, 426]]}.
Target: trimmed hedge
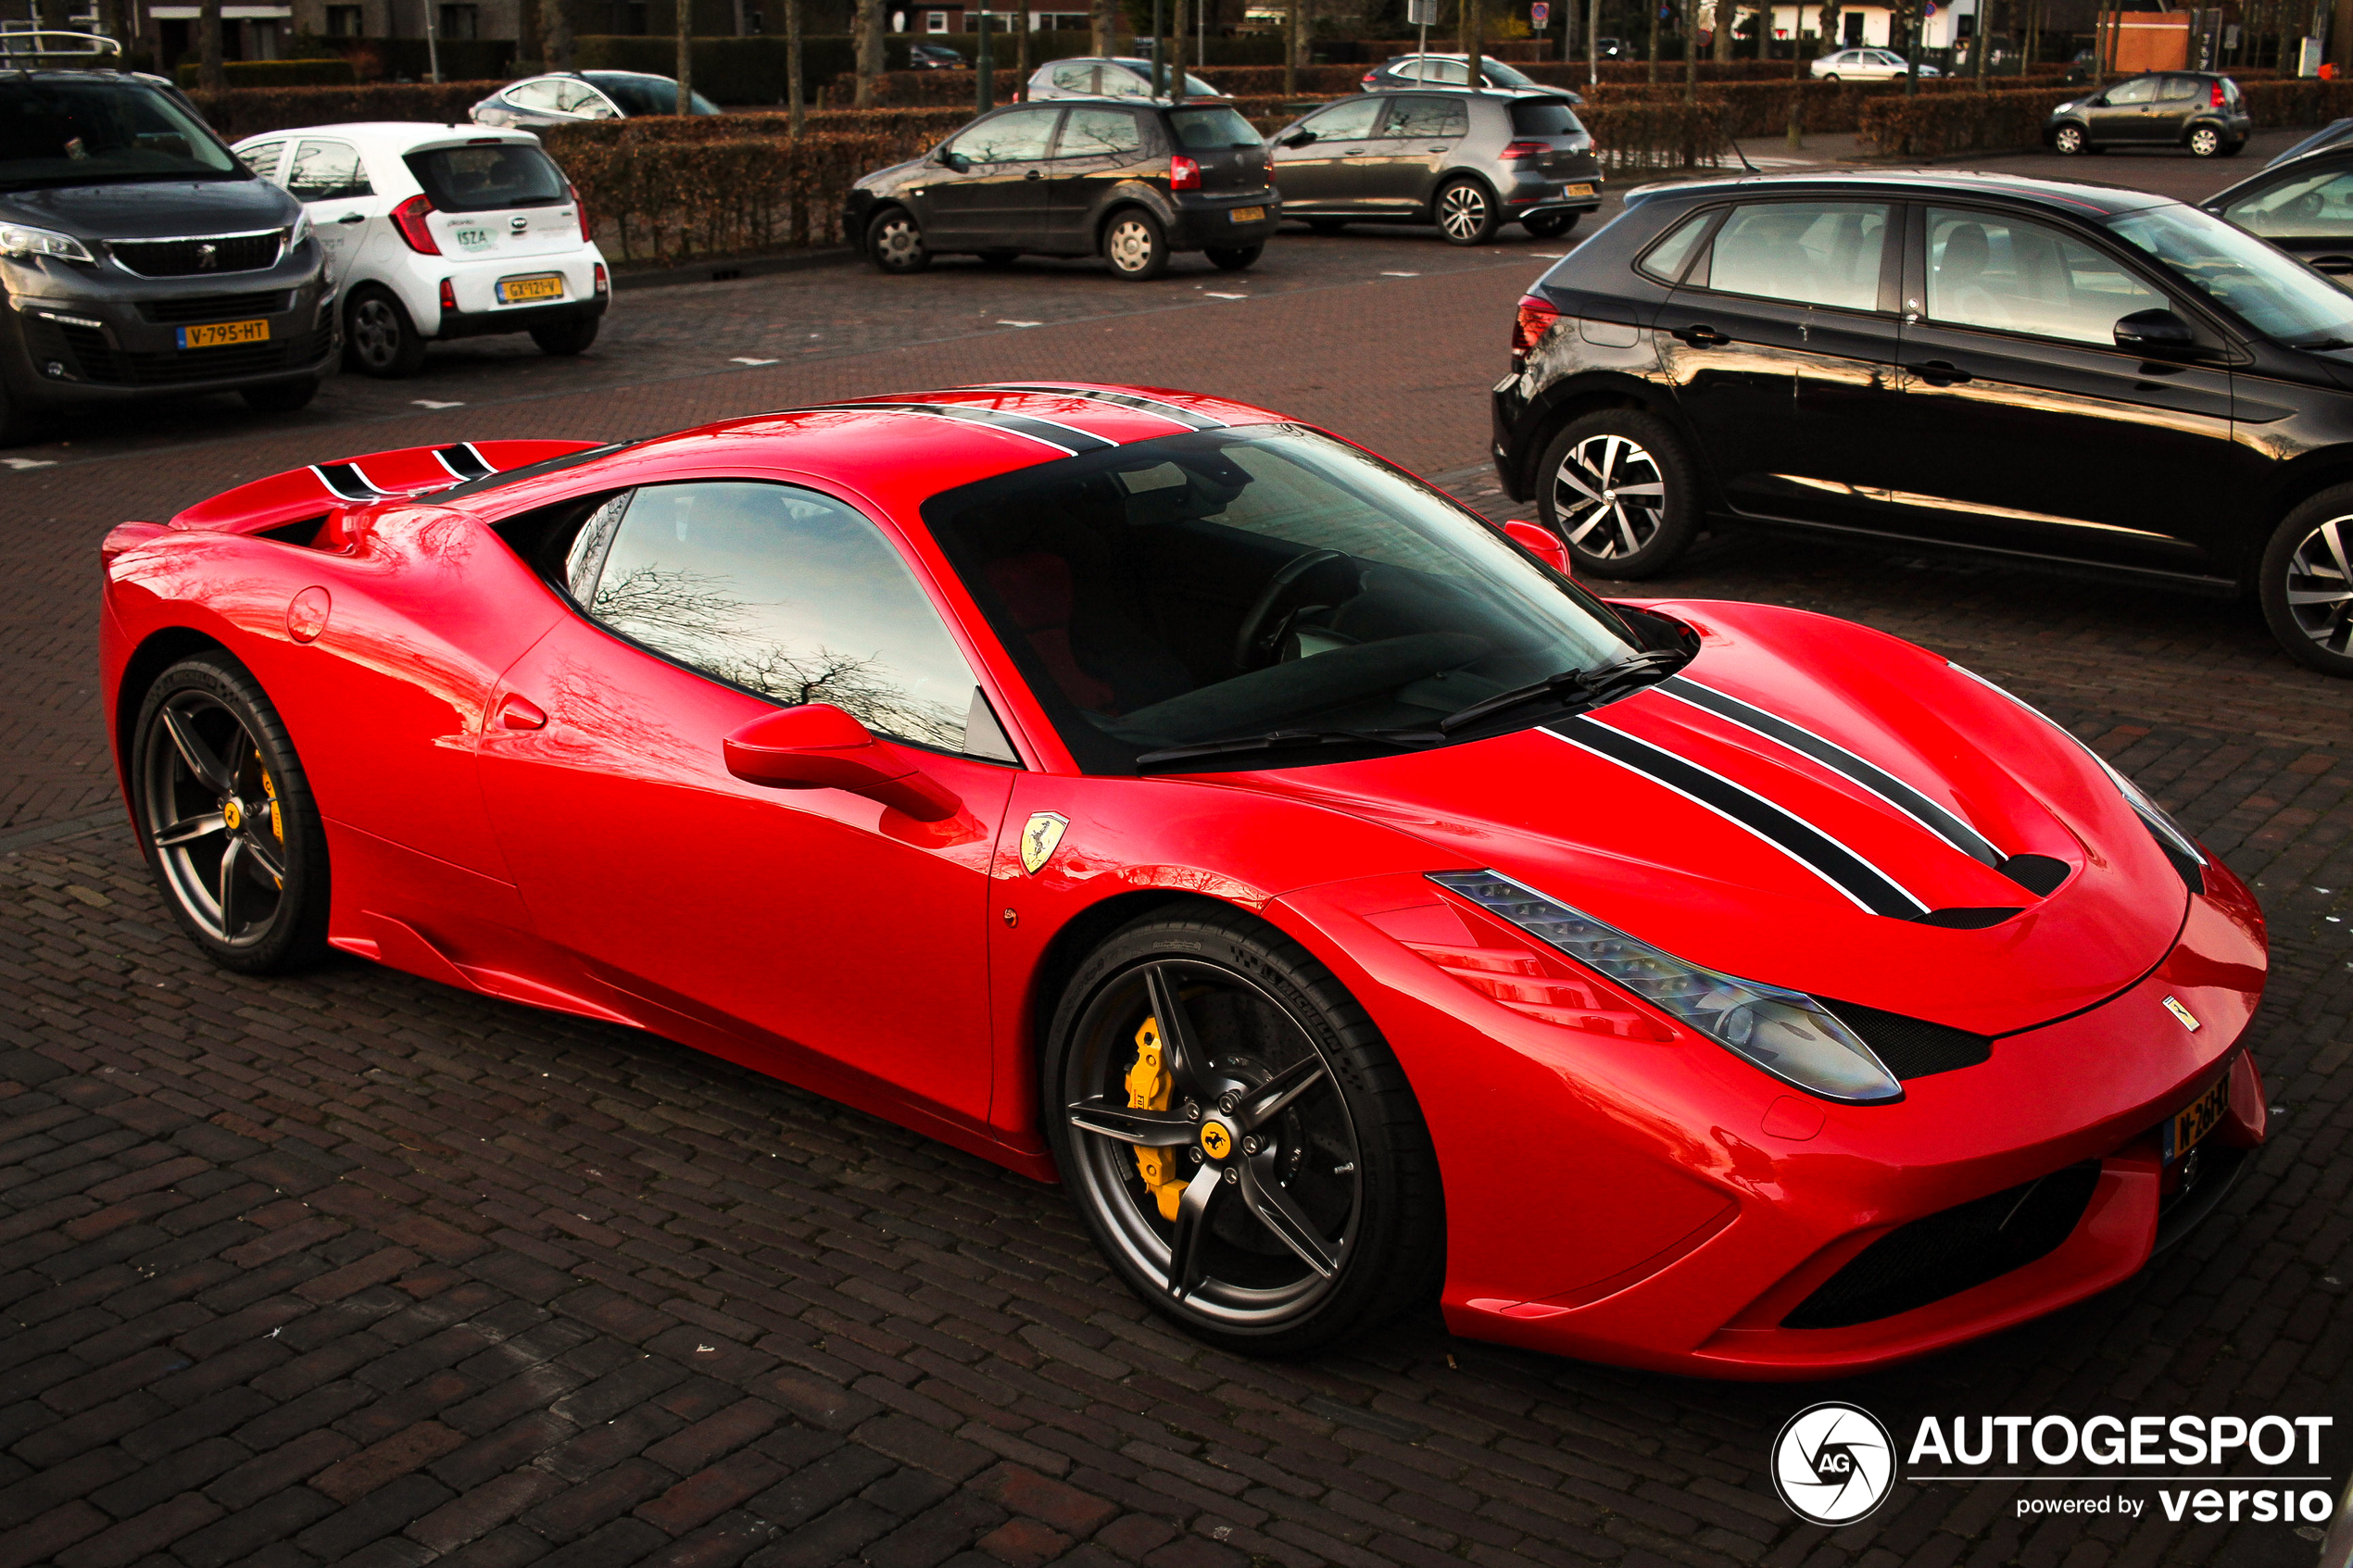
{"points": [[1935, 123], [238, 112], [671, 200], [335, 72]]}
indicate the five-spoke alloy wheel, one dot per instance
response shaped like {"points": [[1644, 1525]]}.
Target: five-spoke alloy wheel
{"points": [[2305, 586], [1616, 489], [1241, 1143], [226, 817]]}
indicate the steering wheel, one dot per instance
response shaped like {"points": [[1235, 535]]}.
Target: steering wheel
{"points": [[1256, 643]]}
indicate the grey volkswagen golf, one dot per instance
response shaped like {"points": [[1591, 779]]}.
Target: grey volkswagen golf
{"points": [[1468, 162]]}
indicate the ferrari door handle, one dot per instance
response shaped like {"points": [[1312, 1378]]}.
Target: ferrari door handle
{"points": [[1699, 337], [1939, 372], [521, 713]]}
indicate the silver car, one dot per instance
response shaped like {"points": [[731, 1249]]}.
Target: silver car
{"points": [[1866, 65], [568, 97], [1435, 70], [1468, 162], [1106, 77]]}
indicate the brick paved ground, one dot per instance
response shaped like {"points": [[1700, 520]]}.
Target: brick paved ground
{"points": [[353, 1269]]}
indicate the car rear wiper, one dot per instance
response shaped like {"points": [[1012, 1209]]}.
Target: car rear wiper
{"points": [[1276, 740], [1589, 684]]}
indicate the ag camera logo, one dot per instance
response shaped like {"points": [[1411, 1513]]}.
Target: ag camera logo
{"points": [[1833, 1463]]}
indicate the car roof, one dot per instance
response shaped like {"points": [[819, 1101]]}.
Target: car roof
{"points": [[2072, 198], [398, 135]]}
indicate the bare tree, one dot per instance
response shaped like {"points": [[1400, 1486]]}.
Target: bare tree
{"points": [[793, 91], [1104, 15], [866, 27], [555, 34], [686, 56]]}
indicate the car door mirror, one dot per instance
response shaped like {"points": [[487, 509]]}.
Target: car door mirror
{"points": [[1542, 543], [817, 745], [956, 161], [1295, 139], [2155, 331]]}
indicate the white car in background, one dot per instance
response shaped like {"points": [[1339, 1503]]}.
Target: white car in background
{"points": [[441, 232], [1866, 65]]}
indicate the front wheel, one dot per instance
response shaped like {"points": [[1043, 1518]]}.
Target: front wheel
{"points": [[2205, 141], [1135, 246], [564, 339], [1238, 1137], [1233, 259], [2307, 583], [2067, 140], [1549, 225], [1465, 213], [1617, 489], [225, 816], [895, 242], [379, 335]]}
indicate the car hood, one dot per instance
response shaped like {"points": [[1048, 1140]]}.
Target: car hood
{"points": [[1644, 814], [151, 209]]}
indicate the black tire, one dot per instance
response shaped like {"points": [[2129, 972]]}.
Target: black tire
{"points": [[1466, 212], [2204, 140], [1234, 258], [1346, 1166], [379, 338], [1631, 509], [280, 397], [226, 818], [2306, 562], [1327, 225], [564, 339], [2070, 141], [1549, 225], [895, 242], [1135, 245], [19, 423]]}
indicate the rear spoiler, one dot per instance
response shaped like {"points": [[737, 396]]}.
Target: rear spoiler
{"points": [[404, 474]]}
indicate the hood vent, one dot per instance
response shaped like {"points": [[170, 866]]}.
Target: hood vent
{"points": [[1911, 1047]]}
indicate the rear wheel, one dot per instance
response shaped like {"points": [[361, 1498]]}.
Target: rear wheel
{"points": [[1617, 489], [1465, 213], [895, 242], [2069, 140], [379, 335], [1549, 225], [2205, 142], [2307, 583], [564, 339], [225, 816], [1238, 1137], [280, 397], [1233, 259], [1134, 245]]}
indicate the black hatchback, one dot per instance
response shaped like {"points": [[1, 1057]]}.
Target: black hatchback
{"points": [[2304, 206], [2172, 108], [1131, 183], [2059, 374]]}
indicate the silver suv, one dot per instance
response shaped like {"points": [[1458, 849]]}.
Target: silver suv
{"points": [[1468, 162]]}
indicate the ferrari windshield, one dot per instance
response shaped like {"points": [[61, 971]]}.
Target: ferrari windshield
{"points": [[1229, 584]]}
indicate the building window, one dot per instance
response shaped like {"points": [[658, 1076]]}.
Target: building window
{"points": [[344, 22], [935, 21], [460, 21]]}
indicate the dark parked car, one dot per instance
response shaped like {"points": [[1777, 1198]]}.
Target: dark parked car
{"points": [[568, 97], [2328, 135], [1454, 70], [140, 256], [933, 57], [2304, 208], [1468, 162], [1131, 183], [2046, 373], [2172, 108]]}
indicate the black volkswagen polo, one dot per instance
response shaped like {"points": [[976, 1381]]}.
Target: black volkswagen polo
{"points": [[1132, 183], [2072, 375]]}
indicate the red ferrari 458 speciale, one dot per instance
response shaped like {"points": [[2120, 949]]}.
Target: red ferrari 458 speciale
{"points": [[1146, 790]]}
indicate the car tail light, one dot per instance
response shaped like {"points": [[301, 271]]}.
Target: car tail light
{"points": [[604, 283], [409, 218], [1525, 152], [1369, 79], [2214, 94], [1536, 315], [1184, 174], [448, 297], [581, 207]]}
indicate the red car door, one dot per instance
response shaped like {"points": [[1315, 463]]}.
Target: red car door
{"points": [[834, 939]]}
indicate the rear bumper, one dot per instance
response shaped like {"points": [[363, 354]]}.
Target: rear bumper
{"points": [[1209, 223], [1526, 194], [517, 318]]}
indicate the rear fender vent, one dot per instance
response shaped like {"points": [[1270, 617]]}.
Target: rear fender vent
{"points": [[1912, 1047]]}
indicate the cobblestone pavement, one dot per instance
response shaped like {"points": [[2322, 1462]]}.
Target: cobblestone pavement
{"points": [[352, 1268]]}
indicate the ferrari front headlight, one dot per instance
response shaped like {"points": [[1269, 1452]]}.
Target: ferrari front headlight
{"points": [[22, 239], [1786, 1033]]}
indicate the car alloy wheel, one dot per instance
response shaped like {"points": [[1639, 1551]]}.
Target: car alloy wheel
{"points": [[1134, 247], [1466, 214], [2068, 140], [2205, 142], [1609, 496], [2319, 588]]}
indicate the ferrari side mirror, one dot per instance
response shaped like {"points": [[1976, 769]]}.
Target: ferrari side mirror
{"points": [[1542, 543], [819, 747]]}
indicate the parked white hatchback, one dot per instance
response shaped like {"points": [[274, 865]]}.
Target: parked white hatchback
{"points": [[1866, 65], [441, 232]]}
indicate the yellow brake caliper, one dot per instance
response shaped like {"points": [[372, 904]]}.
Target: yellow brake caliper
{"points": [[1148, 1089], [277, 822]]}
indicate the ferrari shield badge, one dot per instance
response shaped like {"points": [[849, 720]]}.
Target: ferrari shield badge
{"points": [[1040, 838]]}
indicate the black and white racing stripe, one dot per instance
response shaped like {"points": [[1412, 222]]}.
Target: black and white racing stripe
{"points": [[1067, 439], [346, 482], [1936, 819], [464, 462], [1853, 876], [1135, 401]]}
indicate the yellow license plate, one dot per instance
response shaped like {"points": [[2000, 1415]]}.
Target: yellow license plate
{"points": [[1577, 189], [547, 286], [1249, 214], [220, 334], [2188, 1126]]}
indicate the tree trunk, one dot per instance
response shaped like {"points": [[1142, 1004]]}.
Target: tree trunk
{"points": [[1653, 68], [867, 29], [795, 96], [1105, 17], [685, 54], [555, 35], [208, 70], [1292, 34], [1177, 55], [1473, 40], [530, 54], [1593, 42], [1728, 15], [1021, 56], [1691, 51]]}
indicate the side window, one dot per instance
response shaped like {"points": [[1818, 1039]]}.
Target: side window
{"points": [[2317, 206], [2140, 90], [1346, 122], [544, 94], [1099, 133], [2178, 88], [1453, 74], [578, 97], [262, 158], [1418, 117], [1074, 79], [785, 593], [327, 171], [1665, 260], [1019, 137], [1811, 253], [1118, 81], [1988, 271]]}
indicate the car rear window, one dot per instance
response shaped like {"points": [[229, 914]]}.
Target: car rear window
{"points": [[488, 179], [645, 95], [1543, 116], [1219, 127]]}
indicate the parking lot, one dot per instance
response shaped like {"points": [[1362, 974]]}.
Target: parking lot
{"points": [[354, 1269]]}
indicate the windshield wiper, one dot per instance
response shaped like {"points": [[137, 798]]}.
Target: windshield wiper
{"points": [[1276, 740], [1591, 685]]}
